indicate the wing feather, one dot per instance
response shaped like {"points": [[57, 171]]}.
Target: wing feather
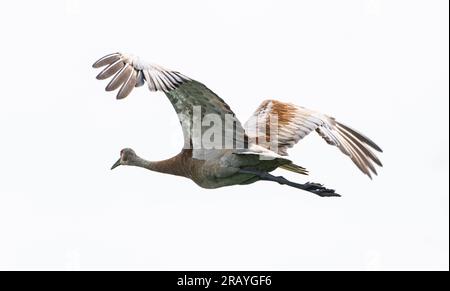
{"points": [[106, 60], [119, 78], [110, 70], [295, 122], [129, 84], [140, 79], [122, 65]]}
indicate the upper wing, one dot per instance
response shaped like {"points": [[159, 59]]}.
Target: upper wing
{"points": [[193, 101], [295, 122]]}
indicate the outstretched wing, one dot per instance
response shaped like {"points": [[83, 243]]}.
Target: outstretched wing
{"points": [[295, 122], [192, 100]]}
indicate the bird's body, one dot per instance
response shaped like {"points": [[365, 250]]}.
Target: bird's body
{"points": [[213, 173], [218, 151]]}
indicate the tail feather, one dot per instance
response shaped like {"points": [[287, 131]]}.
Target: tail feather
{"points": [[295, 168]]}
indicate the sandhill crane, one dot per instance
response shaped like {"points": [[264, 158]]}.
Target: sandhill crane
{"points": [[254, 158]]}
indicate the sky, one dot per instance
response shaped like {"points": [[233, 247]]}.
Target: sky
{"points": [[381, 67]]}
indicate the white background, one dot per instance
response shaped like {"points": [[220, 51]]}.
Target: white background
{"points": [[380, 66]]}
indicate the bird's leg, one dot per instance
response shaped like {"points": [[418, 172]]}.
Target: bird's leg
{"points": [[314, 188]]}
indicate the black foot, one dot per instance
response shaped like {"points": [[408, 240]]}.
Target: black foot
{"points": [[319, 190]]}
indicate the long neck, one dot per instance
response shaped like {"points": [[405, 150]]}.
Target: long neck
{"points": [[177, 165]]}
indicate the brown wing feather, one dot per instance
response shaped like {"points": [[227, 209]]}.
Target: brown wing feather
{"points": [[295, 122]]}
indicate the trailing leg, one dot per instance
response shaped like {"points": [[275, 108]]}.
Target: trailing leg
{"points": [[314, 188]]}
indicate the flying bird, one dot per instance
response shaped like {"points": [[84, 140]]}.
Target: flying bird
{"points": [[254, 149]]}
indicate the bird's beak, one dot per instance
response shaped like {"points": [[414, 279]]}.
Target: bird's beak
{"points": [[116, 164]]}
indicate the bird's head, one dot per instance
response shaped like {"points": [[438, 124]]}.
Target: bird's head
{"points": [[127, 156]]}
